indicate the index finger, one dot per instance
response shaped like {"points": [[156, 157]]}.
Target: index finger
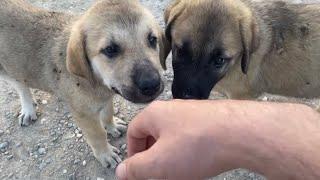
{"points": [[141, 134]]}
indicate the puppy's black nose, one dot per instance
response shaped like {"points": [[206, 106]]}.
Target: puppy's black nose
{"points": [[182, 92], [147, 79], [148, 83]]}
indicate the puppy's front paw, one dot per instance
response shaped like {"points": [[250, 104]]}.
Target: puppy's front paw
{"points": [[108, 157], [26, 116], [117, 127]]}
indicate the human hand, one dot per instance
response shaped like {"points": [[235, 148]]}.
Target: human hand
{"points": [[199, 139]]}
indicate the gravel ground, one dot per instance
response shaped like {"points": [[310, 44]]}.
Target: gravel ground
{"points": [[53, 147]]}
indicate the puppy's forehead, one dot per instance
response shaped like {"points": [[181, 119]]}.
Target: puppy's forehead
{"points": [[120, 22], [126, 27], [126, 35], [209, 25], [124, 14]]}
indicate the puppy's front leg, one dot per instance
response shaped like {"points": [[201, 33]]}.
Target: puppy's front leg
{"points": [[28, 111], [96, 137], [112, 124]]}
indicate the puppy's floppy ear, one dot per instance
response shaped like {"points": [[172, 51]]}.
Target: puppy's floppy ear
{"points": [[170, 15], [78, 62], [165, 48], [250, 41]]}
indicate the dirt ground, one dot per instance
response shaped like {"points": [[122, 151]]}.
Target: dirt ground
{"points": [[53, 147]]}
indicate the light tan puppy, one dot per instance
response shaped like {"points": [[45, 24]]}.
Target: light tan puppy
{"points": [[244, 48], [112, 48]]}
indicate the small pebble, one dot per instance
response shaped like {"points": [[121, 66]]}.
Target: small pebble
{"points": [[42, 165], [70, 125], [42, 151], [99, 178], [70, 146], [79, 135], [44, 102], [7, 114], [72, 176], [252, 175], [55, 139], [69, 116], [123, 147], [10, 157], [265, 98], [43, 121], [10, 175], [48, 161], [64, 171], [4, 145], [84, 163], [76, 161], [19, 144]]}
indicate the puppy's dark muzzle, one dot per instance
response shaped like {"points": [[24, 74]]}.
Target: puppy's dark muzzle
{"points": [[181, 92], [147, 79], [185, 95], [149, 83]]}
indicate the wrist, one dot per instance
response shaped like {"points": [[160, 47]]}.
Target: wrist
{"points": [[281, 142], [278, 141]]}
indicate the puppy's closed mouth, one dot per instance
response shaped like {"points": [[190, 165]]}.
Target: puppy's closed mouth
{"points": [[134, 95]]}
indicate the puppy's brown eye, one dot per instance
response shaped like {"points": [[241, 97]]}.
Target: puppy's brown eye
{"points": [[219, 62], [152, 40], [111, 51]]}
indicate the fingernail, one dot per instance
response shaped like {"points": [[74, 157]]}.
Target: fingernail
{"points": [[121, 171]]}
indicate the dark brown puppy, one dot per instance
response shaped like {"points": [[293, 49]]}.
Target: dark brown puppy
{"points": [[244, 48]]}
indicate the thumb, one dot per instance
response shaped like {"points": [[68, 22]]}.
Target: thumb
{"points": [[141, 166]]}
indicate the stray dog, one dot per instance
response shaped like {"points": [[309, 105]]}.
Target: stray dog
{"points": [[244, 48], [114, 48]]}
